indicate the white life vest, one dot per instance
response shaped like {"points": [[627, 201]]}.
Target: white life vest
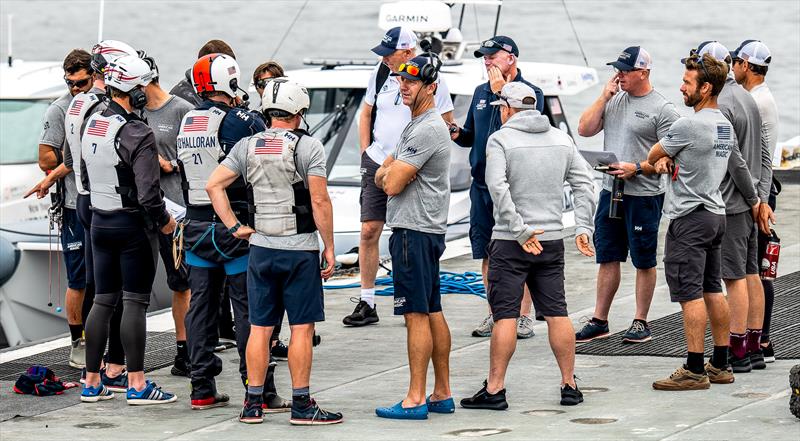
{"points": [[82, 104], [199, 152], [280, 203], [112, 185]]}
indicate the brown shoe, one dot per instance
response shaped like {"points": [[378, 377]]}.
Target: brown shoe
{"points": [[683, 379], [719, 376]]}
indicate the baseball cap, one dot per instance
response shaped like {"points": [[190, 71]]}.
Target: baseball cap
{"points": [[632, 58], [754, 52], [497, 43], [517, 95], [412, 69], [399, 37], [713, 48]]}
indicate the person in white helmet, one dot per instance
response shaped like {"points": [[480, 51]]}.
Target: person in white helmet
{"points": [[119, 167], [284, 169], [82, 106], [215, 256]]}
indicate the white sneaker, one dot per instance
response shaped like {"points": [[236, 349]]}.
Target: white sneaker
{"points": [[77, 354], [485, 328], [525, 327]]}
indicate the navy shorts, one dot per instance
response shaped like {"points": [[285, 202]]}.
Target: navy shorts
{"points": [[636, 232], [415, 270], [73, 245], [481, 221], [372, 199], [177, 279], [281, 280]]}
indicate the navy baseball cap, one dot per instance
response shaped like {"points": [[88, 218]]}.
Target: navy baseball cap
{"points": [[497, 43], [634, 57], [399, 37], [412, 69]]}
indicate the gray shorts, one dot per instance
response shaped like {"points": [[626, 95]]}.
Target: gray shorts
{"points": [[692, 255], [372, 199], [739, 247]]}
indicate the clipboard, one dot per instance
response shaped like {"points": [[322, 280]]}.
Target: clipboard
{"points": [[599, 160]]}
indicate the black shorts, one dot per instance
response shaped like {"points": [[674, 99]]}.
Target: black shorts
{"points": [[636, 233], [481, 221], [73, 245], [372, 199], [510, 268], [739, 246], [282, 280], [693, 255], [177, 279], [415, 270]]}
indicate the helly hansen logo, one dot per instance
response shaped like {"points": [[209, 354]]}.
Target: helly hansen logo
{"points": [[196, 124], [412, 150], [75, 108], [97, 128], [723, 132], [269, 146]]}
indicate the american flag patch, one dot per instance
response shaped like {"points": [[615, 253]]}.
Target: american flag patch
{"points": [[75, 108], [724, 132], [272, 146], [97, 128], [196, 124]]}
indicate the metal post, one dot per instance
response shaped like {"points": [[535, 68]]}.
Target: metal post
{"points": [[100, 21], [10, 57], [497, 19]]}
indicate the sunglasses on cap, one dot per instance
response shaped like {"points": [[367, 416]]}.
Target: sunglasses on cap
{"points": [[79, 84], [494, 44], [410, 68]]}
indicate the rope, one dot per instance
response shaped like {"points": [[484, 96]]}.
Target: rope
{"points": [[574, 32], [450, 283], [23, 233], [286, 34]]}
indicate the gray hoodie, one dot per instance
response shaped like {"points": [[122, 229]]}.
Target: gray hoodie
{"points": [[527, 162]]}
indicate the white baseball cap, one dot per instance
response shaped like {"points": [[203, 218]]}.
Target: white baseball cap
{"points": [[517, 95], [713, 48], [754, 52]]}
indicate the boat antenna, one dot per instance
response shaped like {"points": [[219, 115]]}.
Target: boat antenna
{"points": [[286, 34], [497, 18], [461, 17], [100, 21], [574, 32], [10, 57]]}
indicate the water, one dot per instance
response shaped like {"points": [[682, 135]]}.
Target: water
{"points": [[172, 31]]}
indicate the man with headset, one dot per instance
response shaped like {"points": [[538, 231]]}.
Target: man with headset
{"points": [[416, 178]]}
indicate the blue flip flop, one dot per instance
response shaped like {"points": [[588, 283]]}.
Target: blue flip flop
{"points": [[398, 412], [441, 406]]}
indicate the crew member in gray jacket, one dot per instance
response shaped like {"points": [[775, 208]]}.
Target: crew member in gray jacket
{"points": [[527, 162]]}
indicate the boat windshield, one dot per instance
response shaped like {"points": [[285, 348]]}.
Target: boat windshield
{"points": [[20, 127]]}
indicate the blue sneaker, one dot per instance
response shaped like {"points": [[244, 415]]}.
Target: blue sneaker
{"points": [[115, 384], [151, 394], [590, 331], [398, 412], [441, 406], [637, 333], [94, 394]]}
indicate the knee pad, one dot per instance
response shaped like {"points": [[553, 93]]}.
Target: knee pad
{"points": [[107, 299], [136, 297]]}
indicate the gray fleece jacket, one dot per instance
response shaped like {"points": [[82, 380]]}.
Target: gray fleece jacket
{"points": [[527, 163]]}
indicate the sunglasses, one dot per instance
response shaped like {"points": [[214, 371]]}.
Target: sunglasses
{"points": [[410, 68], [262, 83], [494, 44], [624, 72], [695, 56], [79, 84]]}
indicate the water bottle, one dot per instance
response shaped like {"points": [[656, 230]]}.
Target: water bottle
{"points": [[617, 192], [769, 261]]}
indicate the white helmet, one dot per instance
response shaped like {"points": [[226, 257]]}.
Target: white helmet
{"points": [[284, 94], [216, 73], [107, 51], [127, 72]]}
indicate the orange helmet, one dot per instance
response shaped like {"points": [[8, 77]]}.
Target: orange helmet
{"points": [[216, 73]]}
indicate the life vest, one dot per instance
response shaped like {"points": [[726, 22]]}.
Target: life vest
{"points": [[112, 182], [199, 152], [82, 104], [279, 202]]}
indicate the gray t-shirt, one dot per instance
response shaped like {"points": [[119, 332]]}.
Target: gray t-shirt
{"points": [[309, 161], [54, 135], [631, 126], [166, 122], [423, 205], [701, 145]]}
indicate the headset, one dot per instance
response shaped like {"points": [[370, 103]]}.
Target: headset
{"points": [[430, 71], [138, 98]]}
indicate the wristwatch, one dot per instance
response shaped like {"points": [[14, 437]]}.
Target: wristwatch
{"points": [[639, 170], [234, 228]]}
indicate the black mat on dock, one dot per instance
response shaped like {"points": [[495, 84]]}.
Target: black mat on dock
{"points": [[668, 339]]}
